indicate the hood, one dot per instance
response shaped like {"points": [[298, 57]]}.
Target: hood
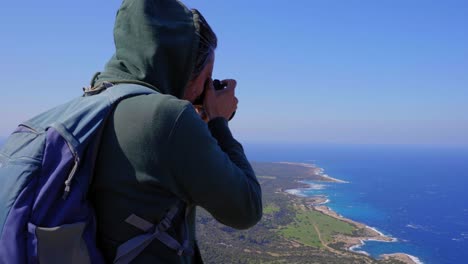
{"points": [[155, 45]]}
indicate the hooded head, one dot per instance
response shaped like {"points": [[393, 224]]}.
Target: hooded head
{"points": [[157, 44]]}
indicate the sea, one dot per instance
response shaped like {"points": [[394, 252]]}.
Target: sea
{"points": [[415, 194]]}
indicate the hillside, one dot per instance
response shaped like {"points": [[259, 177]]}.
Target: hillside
{"points": [[291, 231]]}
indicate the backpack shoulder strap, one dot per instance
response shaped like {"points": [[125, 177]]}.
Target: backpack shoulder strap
{"points": [[81, 116]]}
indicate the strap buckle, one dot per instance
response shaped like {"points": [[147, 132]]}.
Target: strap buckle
{"points": [[88, 91], [164, 224], [180, 252]]}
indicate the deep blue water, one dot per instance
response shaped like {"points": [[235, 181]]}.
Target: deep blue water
{"points": [[417, 194]]}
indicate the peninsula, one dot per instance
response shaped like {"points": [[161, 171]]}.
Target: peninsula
{"points": [[294, 228]]}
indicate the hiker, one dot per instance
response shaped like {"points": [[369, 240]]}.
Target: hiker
{"points": [[157, 149]]}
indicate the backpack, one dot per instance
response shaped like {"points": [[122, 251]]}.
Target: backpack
{"points": [[46, 168]]}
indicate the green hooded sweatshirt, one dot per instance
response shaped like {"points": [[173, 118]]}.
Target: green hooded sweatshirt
{"points": [[155, 149]]}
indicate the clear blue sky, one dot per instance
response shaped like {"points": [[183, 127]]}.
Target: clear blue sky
{"points": [[349, 71]]}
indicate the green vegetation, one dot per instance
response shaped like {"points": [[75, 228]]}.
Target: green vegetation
{"points": [[288, 232], [271, 209], [307, 223]]}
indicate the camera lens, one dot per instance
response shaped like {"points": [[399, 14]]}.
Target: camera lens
{"points": [[218, 85]]}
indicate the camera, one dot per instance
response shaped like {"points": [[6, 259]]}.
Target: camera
{"points": [[218, 85]]}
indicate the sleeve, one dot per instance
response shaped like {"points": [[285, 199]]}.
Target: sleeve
{"points": [[212, 171]]}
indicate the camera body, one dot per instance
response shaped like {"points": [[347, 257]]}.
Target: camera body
{"points": [[219, 85]]}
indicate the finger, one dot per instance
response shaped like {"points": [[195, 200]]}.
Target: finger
{"points": [[235, 107], [235, 101], [230, 83]]}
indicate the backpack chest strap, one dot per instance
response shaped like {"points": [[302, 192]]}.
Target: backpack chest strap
{"points": [[133, 247]]}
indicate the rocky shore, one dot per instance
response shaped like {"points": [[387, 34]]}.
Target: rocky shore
{"points": [[352, 243]]}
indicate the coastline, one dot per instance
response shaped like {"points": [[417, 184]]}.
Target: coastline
{"points": [[319, 172], [318, 203]]}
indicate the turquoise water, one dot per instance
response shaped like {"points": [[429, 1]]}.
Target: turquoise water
{"points": [[414, 194]]}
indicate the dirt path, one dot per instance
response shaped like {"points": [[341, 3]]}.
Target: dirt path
{"points": [[323, 242]]}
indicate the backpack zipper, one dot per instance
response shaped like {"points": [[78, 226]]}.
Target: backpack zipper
{"points": [[30, 128], [72, 173]]}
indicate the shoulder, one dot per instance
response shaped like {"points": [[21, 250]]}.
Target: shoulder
{"points": [[153, 106], [156, 114]]}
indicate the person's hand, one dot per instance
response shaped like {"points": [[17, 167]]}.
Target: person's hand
{"points": [[222, 103]]}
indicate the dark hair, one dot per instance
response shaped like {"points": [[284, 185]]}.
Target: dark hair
{"points": [[207, 44]]}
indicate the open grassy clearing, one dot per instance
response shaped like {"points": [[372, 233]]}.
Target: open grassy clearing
{"points": [[302, 228]]}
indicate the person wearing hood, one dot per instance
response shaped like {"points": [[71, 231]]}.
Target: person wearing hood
{"points": [[157, 149]]}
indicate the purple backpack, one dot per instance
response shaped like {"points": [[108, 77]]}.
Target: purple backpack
{"points": [[46, 168]]}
